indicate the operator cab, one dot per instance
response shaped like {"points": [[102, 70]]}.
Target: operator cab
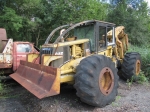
{"points": [[95, 31], [100, 35]]}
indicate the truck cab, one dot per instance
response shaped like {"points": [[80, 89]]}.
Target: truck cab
{"points": [[20, 50], [12, 52]]}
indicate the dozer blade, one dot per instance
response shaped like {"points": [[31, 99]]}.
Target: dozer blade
{"points": [[40, 80]]}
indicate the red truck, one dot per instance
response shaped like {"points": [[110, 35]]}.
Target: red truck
{"points": [[11, 53]]}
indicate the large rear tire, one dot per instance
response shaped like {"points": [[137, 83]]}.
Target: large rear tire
{"points": [[131, 65], [96, 80]]}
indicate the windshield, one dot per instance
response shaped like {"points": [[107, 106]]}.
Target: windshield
{"points": [[23, 48], [86, 32]]}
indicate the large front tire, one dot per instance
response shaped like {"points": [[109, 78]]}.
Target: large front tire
{"points": [[131, 65], [96, 80]]}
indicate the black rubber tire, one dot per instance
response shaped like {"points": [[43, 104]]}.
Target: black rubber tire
{"points": [[128, 68], [87, 80]]}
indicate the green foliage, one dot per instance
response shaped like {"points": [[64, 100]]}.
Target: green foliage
{"points": [[118, 98], [145, 55], [1, 88], [16, 17], [74, 11], [118, 14], [135, 20], [137, 26], [66, 12], [5, 90], [10, 20], [141, 78], [115, 104], [33, 20], [129, 82]]}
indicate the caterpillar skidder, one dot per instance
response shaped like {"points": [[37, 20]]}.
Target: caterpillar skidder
{"points": [[86, 54]]}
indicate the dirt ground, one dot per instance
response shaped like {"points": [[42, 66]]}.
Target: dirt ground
{"points": [[130, 99]]}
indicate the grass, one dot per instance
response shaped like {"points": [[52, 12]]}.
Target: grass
{"points": [[142, 79], [6, 90], [3, 90], [116, 103], [118, 98], [10, 96], [129, 83]]}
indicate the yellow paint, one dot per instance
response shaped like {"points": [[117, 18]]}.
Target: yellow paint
{"points": [[69, 43], [121, 41], [67, 71], [66, 78], [77, 52], [46, 59], [55, 89], [107, 52], [70, 66], [32, 56]]}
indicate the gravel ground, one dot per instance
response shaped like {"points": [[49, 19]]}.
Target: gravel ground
{"points": [[130, 99]]}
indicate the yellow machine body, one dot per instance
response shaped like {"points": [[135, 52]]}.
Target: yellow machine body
{"points": [[44, 77]]}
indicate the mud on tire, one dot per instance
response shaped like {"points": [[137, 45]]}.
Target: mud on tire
{"points": [[131, 65], [96, 80]]}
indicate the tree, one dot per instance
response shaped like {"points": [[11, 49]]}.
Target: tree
{"points": [[136, 20], [56, 13], [16, 17], [35, 19], [11, 21]]}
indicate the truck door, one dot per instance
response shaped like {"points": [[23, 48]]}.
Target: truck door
{"points": [[20, 52]]}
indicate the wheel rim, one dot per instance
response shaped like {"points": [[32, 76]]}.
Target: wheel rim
{"points": [[138, 66], [106, 81]]}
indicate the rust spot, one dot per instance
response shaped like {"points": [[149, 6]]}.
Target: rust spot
{"points": [[106, 81], [3, 65], [138, 67]]}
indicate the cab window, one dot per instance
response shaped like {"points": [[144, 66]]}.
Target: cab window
{"points": [[86, 32], [23, 48], [102, 37]]}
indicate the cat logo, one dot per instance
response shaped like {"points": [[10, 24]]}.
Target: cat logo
{"points": [[59, 53]]}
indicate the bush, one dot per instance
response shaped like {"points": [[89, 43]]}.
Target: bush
{"points": [[145, 55], [1, 88]]}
